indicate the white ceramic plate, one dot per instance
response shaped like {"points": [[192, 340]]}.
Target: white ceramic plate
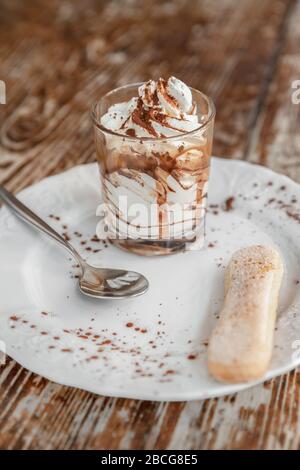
{"points": [[152, 347]]}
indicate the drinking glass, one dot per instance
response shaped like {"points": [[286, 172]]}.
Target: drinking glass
{"points": [[154, 189]]}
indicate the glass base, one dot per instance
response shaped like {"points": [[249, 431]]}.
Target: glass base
{"points": [[157, 247]]}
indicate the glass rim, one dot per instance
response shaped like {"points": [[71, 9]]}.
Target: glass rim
{"points": [[202, 126]]}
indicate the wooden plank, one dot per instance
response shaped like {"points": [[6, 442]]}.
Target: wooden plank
{"points": [[274, 140], [37, 413], [56, 104], [242, 53]]}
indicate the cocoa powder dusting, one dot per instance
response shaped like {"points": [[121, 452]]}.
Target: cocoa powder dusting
{"points": [[229, 204], [131, 132]]}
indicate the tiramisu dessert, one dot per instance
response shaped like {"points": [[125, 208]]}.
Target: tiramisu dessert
{"points": [[153, 143]]}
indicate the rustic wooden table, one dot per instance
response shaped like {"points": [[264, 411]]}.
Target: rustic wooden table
{"points": [[57, 57]]}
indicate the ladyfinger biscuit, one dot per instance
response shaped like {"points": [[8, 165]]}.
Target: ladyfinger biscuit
{"points": [[240, 346]]}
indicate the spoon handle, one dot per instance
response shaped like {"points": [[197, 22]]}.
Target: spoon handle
{"points": [[25, 214]]}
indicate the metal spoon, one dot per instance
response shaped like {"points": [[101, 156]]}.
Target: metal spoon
{"points": [[95, 282]]}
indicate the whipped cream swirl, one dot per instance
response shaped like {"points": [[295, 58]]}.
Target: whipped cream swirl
{"points": [[163, 108]]}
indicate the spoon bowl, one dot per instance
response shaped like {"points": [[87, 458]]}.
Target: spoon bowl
{"points": [[101, 282]]}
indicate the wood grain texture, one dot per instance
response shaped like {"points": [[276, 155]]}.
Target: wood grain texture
{"points": [[56, 58]]}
